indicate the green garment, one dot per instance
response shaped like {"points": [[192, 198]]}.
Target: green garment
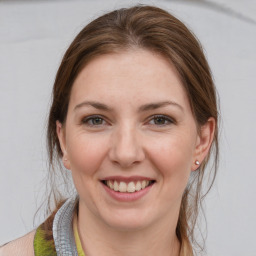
{"points": [[43, 245]]}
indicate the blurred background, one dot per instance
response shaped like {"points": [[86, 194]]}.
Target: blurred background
{"points": [[33, 37]]}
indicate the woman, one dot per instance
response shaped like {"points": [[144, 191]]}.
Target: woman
{"points": [[134, 119]]}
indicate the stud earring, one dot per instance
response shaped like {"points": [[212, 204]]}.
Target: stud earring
{"points": [[197, 162]]}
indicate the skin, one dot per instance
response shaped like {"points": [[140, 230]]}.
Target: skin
{"points": [[128, 142]]}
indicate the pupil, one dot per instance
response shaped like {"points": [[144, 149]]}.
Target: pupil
{"points": [[160, 120], [97, 121]]}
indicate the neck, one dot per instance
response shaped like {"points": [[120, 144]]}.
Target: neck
{"points": [[100, 239]]}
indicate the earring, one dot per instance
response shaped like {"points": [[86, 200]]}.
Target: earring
{"points": [[197, 162]]}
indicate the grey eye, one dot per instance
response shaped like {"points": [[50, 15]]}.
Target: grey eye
{"points": [[93, 121], [161, 120], [96, 121]]}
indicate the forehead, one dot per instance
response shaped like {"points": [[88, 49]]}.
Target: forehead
{"points": [[134, 75]]}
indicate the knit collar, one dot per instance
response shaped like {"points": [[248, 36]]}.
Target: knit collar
{"points": [[63, 228]]}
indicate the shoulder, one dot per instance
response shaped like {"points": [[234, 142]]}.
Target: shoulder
{"points": [[22, 246]]}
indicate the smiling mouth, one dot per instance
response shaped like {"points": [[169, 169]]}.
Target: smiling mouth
{"points": [[130, 187]]}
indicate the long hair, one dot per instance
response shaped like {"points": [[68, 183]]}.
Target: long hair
{"points": [[152, 29]]}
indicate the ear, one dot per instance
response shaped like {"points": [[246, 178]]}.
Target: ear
{"points": [[204, 142], [60, 130]]}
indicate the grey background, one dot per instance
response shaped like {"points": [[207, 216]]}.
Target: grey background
{"points": [[33, 38]]}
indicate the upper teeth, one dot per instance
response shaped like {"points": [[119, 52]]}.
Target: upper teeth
{"points": [[127, 187]]}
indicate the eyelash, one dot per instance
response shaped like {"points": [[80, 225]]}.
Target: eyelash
{"points": [[154, 117], [165, 118], [89, 118]]}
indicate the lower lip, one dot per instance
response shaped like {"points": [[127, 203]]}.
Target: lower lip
{"points": [[127, 197]]}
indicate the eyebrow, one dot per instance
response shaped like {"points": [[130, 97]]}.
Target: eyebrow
{"points": [[157, 105], [94, 104], [143, 108]]}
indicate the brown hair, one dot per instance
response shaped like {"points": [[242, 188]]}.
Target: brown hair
{"points": [[153, 29]]}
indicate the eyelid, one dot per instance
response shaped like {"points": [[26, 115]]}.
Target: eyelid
{"points": [[167, 118], [85, 120]]}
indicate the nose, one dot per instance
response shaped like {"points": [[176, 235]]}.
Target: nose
{"points": [[126, 147]]}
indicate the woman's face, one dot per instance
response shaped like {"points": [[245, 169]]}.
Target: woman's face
{"points": [[129, 125]]}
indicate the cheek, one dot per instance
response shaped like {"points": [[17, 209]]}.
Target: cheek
{"points": [[172, 157], [86, 153]]}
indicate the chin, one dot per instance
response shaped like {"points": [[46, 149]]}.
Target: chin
{"points": [[128, 220]]}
